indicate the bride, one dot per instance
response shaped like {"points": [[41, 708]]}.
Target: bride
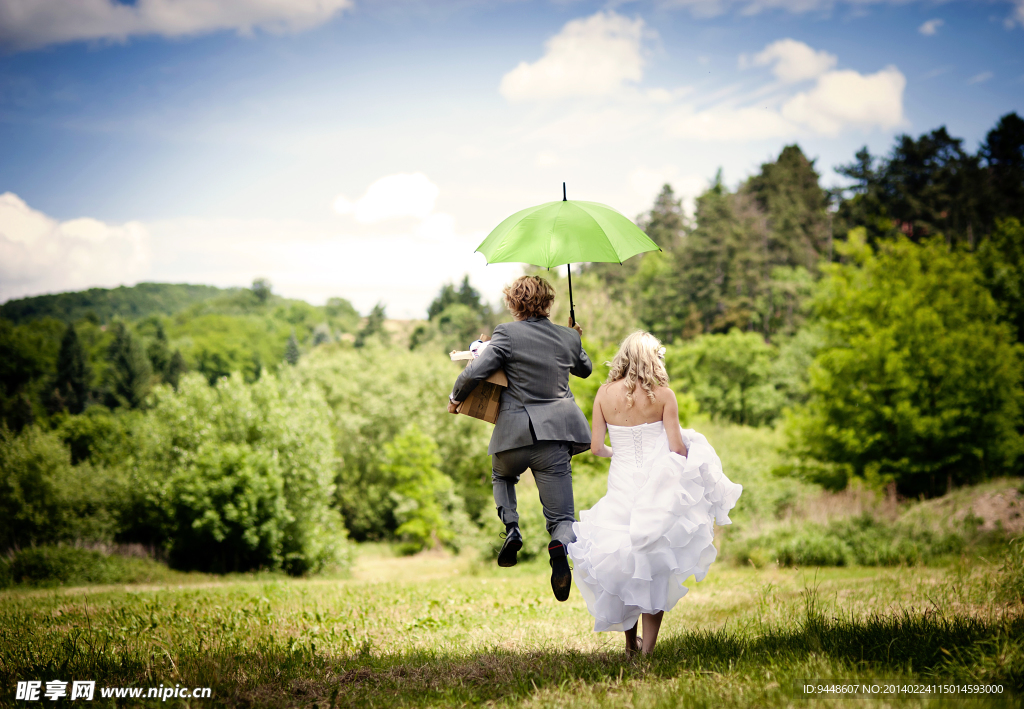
{"points": [[666, 490]]}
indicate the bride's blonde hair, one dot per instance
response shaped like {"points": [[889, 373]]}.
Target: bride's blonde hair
{"points": [[639, 361]]}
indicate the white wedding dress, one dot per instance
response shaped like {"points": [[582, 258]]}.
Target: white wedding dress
{"points": [[653, 529]]}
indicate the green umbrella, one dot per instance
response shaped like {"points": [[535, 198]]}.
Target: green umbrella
{"points": [[565, 232]]}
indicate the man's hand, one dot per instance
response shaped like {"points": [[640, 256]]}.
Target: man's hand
{"points": [[453, 406], [576, 326]]}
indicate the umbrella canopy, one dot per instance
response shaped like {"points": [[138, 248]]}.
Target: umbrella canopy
{"points": [[557, 233], [565, 232]]}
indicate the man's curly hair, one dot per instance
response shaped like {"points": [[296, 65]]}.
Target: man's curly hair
{"points": [[529, 296]]}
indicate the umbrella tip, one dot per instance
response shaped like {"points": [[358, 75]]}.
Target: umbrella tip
{"points": [[563, 193]]}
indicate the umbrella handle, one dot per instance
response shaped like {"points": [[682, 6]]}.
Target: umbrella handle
{"points": [[572, 310]]}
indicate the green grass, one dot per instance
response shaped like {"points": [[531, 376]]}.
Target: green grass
{"points": [[436, 630]]}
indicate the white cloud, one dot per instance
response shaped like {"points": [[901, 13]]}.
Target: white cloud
{"points": [[726, 124], [402, 195], [931, 27], [793, 61], [26, 24], [592, 56], [39, 254], [847, 99], [838, 101], [713, 8], [980, 78], [1016, 18]]}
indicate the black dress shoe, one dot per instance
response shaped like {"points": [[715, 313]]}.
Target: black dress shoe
{"points": [[513, 543], [561, 575]]}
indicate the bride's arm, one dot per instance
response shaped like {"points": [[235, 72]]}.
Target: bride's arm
{"points": [[597, 430], [670, 418]]}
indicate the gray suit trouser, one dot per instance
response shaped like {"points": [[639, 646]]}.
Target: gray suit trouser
{"points": [[550, 462]]}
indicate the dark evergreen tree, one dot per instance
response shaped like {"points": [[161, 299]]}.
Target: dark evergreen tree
{"points": [[159, 352], [71, 384], [291, 352], [129, 373], [748, 261], [466, 295], [175, 368], [1003, 157], [787, 191], [374, 326], [665, 223]]}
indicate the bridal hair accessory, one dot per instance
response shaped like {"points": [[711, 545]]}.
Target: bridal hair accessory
{"points": [[661, 353]]}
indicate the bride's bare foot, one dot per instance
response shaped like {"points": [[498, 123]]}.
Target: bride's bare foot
{"points": [[635, 648]]}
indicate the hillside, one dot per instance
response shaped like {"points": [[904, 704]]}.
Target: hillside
{"points": [[106, 304]]}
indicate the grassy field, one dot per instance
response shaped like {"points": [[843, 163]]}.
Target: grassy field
{"points": [[453, 631], [439, 630]]}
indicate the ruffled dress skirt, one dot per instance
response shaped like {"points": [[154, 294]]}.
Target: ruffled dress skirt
{"points": [[655, 527]]}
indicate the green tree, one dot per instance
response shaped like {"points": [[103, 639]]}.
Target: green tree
{"points": [[261, 289], [44, 499], [28, 359], [175, 368], [665, 223], [1002, 263], [291, 352], [788, 193], [730, 376], [71, 384], [746, 263], [129, 373], [374, 326], [423, 495], [917, 381], [158, 351], [465, 295], [342, 315], [931, 185], [1003, 157]]}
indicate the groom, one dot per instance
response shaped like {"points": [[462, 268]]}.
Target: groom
{"points": [[539, 425]]}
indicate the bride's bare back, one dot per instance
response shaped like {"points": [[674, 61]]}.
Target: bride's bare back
{"points": [[618, 412], [612, 407]]}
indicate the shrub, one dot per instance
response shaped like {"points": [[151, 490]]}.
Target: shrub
{"points": [[238, 476], [229, 511], [814, 548], [70, 566], [863, 540]]}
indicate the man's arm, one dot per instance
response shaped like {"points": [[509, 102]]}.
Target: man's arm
{"points": [[490, 361], [583, 366]]}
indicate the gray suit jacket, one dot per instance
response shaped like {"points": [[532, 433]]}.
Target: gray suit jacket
{"points": [[537, 357]]}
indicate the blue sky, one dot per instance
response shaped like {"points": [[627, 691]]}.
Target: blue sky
{"points": [[363, 149]]}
